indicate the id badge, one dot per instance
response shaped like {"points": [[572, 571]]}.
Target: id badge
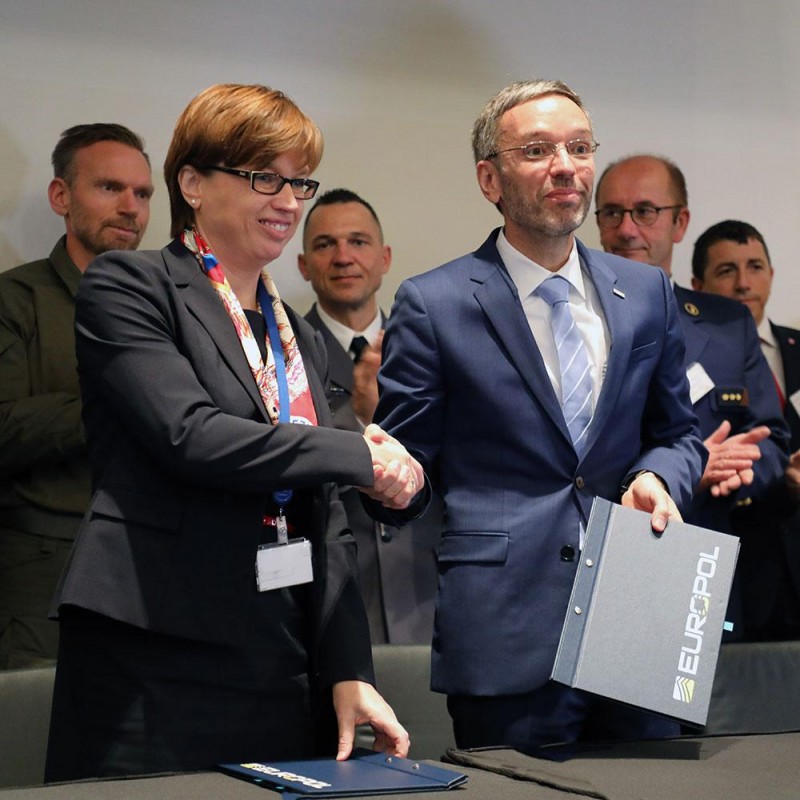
{"points": [[279, 565], [700, 383], [794, 399]]}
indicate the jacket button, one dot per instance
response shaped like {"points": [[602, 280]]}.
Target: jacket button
{"points": [[386, 534], [567, 553], [579, 482]]}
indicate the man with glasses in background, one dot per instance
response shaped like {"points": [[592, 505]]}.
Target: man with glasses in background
{"points": [[642, 212], [499, 376]]}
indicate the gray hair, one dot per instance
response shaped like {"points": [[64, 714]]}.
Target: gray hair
{"points": [[484, 131]]}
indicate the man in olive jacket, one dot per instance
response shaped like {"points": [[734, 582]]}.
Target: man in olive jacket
{"points": [[101, 187]]}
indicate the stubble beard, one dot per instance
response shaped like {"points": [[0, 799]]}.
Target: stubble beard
{"points": [[103, 239], [529, 215]]}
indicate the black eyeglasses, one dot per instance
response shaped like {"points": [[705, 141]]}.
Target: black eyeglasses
{"points": [[540, 151], [271, 182], [612, 216]]}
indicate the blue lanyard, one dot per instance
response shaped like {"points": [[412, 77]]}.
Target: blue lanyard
{"points": [[281, 496]]}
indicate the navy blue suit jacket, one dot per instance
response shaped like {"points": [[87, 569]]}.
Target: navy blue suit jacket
{"points": [[789, 345], [722, 337], [464, 387], [769, 561]]}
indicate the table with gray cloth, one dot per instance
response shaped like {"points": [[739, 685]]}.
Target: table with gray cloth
{"points": [[702, 768]]}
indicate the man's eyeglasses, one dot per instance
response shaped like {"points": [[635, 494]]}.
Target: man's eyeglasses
{"points": [[612, 216], [541, 151], [271, 182]]}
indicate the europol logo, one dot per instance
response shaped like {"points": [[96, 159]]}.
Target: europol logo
{"points": [[684, 689]]}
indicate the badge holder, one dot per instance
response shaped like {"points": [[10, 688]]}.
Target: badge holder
{"points": [[285, 563]]}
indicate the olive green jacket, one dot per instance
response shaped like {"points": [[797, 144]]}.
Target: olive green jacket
{"points": [[44, 470]]}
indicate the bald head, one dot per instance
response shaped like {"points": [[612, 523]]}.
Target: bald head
{"points": [[633, 185]]}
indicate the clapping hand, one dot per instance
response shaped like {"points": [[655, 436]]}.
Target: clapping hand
{"points": [[731, 459], [793, 472], [365, 381]]}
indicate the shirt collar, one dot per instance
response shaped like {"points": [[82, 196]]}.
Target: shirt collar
{"points": [[765, 333], [344, 335], [528, 275]]}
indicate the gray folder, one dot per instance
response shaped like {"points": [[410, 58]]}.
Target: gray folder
{"points": [[646, 614]]}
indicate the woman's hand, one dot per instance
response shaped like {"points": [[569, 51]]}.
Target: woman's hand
{"points": [[357, 703]]}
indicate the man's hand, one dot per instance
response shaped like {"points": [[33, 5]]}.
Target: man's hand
{"points": [[647, 493], [793, 472], [398, 475], [731, 459], [357, 703], [364, 396]]}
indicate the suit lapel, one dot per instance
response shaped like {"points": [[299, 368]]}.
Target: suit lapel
{"points": [[340, 365], [498, 298], [620, 332], [790, 356], [694, 333], [202, 302]]}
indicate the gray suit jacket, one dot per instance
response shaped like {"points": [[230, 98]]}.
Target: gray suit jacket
{"points": [[398, 573], [184, 460]]}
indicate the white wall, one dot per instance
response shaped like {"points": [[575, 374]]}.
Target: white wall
{"points": [[395, 86]]}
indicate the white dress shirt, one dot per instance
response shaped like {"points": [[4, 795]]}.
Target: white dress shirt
{"points": [[584, 305], [344, 335], [772, 352]]}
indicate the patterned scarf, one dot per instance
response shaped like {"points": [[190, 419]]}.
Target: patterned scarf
{"points": [[302, 406]]}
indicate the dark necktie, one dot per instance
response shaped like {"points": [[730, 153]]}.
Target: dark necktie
{"points": [[573, 361], [357, 347]]}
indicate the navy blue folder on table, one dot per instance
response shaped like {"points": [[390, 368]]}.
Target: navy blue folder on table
{"points": [[364, 773]]}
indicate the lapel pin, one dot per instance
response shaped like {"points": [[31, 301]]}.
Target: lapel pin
{"points": [[618, 292], [791, 340], [691, 309]]}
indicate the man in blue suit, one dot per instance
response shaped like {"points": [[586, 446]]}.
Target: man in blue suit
{"points": [[642, 211], [473, 382], [731, 259]]}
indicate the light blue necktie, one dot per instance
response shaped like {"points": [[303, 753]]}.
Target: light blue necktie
{"points": [[576, 374]]}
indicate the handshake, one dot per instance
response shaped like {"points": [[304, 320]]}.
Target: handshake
{"points": [[398, 476]]}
